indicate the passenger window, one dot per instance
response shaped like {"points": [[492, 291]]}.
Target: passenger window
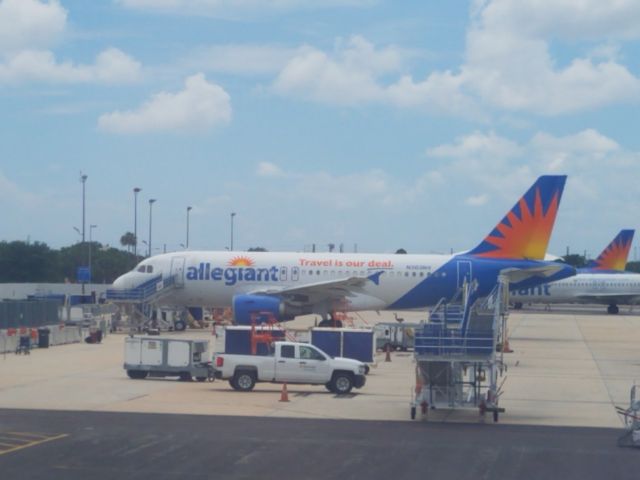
{"points": [[308, 353], [288, 351]]}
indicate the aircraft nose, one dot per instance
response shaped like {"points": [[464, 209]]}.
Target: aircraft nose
{"points": [[122, 282]]}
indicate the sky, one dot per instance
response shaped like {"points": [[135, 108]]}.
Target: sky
{"points": [[375, 124]]}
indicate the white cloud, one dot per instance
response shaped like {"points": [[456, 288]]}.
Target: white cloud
{"points": [[112, 66], [199, 107], [479, 145], [508, 64], [241, 59], [347, 77], [563, 18], [11, 193], [28, 28], [234, 7], [29, 24], [477, 200], [268, 169], [595, 163], [355, 73]]}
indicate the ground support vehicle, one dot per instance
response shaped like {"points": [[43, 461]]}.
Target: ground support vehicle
{"points": [[395, 336], [291, 362], [167, 357], [457, 363]]}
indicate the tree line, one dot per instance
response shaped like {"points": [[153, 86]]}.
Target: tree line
{"points": [[22, 262]]}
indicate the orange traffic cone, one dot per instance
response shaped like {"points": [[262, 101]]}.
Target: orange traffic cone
{"points": [[505, 346], [284, 395], [388, 356]]}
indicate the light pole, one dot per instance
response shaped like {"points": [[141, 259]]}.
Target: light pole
{"points": [[233, 214], [188, 210], [91, 227], [83, 179], [151, 202], [136, 190]]}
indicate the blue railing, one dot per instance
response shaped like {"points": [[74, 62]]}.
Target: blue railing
{"points": [[142, 292], [438, 340]]}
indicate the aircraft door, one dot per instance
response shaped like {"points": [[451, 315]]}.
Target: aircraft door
{"points": [[464, 272], [295, 274], [177, 270]]}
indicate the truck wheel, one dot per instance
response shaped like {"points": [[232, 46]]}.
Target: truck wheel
{"points": [[232, 382], [342, 383], [137, 374], [245, 380], [180, 325]]}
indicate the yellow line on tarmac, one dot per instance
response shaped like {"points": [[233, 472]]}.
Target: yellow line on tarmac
{"points": [[28, 434], [34, 443]]}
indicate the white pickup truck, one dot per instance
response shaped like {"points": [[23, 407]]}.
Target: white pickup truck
{"points": [[290, 363]]}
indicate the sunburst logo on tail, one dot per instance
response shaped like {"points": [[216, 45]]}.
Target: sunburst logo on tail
{"points": [[241, 262], [525, 231], [615, 256]]}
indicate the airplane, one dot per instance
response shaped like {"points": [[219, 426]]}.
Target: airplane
{"points": [[288, 284], [602, 281]]}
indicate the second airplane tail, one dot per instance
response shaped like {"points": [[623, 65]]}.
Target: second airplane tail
{"points": [[525, 230], [616, 254]]}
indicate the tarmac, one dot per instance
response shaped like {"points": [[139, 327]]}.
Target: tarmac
{"points": [[569, 369], [106, 446]]}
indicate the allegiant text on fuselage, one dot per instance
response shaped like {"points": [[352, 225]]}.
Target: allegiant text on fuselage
{"points": [[232, 275]]}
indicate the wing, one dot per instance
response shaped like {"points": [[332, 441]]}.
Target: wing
{"points": [[517, 275], [330, 290]]}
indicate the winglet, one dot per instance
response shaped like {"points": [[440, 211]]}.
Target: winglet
{"points": [[525, 230], [375, 277], [615, 255]]}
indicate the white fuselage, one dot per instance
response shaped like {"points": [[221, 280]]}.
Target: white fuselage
{"points": [[605, 288], [214, 278]]}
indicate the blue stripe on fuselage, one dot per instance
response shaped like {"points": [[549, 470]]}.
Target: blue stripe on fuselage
{"points": [[444, 281]]}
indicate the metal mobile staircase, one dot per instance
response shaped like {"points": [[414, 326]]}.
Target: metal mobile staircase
{"points": [[138, 302], [457, 364]]}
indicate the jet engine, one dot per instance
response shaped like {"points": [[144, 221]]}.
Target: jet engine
{"points": [[260, 308]]}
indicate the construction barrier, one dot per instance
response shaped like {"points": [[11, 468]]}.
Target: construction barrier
{"points": [[58, 335]]}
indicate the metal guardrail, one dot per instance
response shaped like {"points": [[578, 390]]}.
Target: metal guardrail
{"points": [[449, 342], [144, 292]]}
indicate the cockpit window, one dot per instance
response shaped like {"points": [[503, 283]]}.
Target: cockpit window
{"points": [[141, 269], [149, 268]]}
